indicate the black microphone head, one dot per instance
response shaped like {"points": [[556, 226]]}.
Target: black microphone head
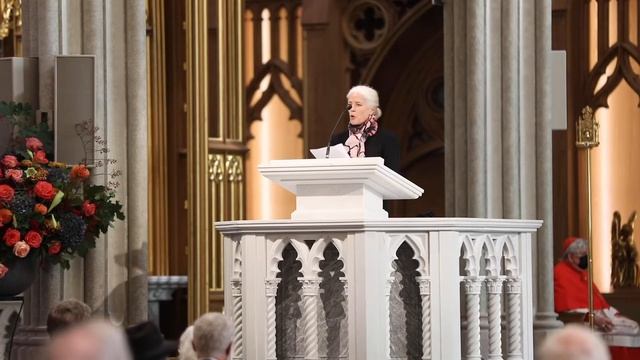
{"points": [[349, 107]]}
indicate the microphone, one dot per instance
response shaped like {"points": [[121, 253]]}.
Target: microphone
{"points": [[326, 155]]}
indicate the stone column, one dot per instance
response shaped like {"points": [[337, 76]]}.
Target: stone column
{"points": [[93, 29], [498, 134], [136, 65], [115, 273], [545, 318]]}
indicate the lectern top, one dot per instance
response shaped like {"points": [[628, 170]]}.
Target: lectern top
{"points": [[370, 172]]}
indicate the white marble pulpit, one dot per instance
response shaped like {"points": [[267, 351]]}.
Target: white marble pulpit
{"points": [[342, 280]]}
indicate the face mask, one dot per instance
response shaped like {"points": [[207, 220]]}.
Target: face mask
{"points": [[583, 264]]}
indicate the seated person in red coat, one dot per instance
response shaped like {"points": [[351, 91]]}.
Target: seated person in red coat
{"points": [[571, 296]]}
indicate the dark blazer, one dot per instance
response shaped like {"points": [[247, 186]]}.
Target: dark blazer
{"points": [[383, 144]]}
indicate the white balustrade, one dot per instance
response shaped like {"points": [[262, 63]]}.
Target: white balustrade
{"points": [[283, 288], [458, 260]]}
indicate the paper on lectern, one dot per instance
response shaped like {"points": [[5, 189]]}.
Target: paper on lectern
{"points": [[337, 151]]}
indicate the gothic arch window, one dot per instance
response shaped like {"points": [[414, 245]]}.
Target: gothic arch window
{"points": [[273, 73]]}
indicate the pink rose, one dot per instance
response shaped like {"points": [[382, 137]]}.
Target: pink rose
{"points": [[80, 172], [21, 249], [6, 193], [9, 161], [34, 144], [15, 175], [45, 190], [55, 247], [40, 209], [40, 157], [6, 216], [3, 270], [33, 238], [11, 237], [88, 208]]}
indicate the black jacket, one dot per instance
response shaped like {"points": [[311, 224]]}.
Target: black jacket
{"points": [[383, 144]]}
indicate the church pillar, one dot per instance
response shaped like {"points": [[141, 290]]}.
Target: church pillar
{"points": [[497, 118], [113, 278], [115, 272], [545, 315], [137, 160]]}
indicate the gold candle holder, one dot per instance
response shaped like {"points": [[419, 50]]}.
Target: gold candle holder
{"points": [[587, 137]]}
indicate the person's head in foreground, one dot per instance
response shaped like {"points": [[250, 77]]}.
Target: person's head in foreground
{"points": [[147, 342], [365, 105], [91, 340], [212, 336], [185, 349], [574, 251], [574, 342], [66, 313]]}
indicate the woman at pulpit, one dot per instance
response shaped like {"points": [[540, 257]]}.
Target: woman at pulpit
{"points": [[364, 137]]}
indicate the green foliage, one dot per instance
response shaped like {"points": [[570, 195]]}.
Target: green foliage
{"points": [[22, 117]]}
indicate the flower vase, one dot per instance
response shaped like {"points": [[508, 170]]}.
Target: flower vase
{"points": [[21, 274]]}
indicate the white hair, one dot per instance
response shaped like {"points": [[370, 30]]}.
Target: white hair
{"points": [[185, 349], [212, 335], [370, 97], [577, 246], [107, 342], [574, 342]]}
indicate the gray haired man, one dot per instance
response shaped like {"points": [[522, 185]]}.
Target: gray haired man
{"points": [[212, 337]]}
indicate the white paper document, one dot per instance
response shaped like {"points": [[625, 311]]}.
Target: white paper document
{"points": [[337, 151]]}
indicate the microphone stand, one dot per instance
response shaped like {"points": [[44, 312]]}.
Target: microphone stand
{"points": [[326, 155]]}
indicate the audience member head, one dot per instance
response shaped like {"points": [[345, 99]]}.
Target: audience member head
{"points": [[212, 336], [364, 102], [574, 342], [185, 349], [66, 313], [147, 342], [574, 251], [91, 340]]}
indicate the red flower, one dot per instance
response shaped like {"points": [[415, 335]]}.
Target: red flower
{"points": [[88, 208], [1, 174], [54, 247], [9, 161], [6, 193], [33, 238], [15, 175], [40, 209], [21, 249], [3, 270], [45, 190], [80, 172], [6, 216], [40, 157], [34, 144], [11, 237]]}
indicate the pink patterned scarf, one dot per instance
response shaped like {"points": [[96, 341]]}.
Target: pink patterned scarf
{"points": [[358, 134]]}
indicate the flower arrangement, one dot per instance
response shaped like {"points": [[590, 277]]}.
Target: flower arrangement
{"points": [[49, 209]]}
